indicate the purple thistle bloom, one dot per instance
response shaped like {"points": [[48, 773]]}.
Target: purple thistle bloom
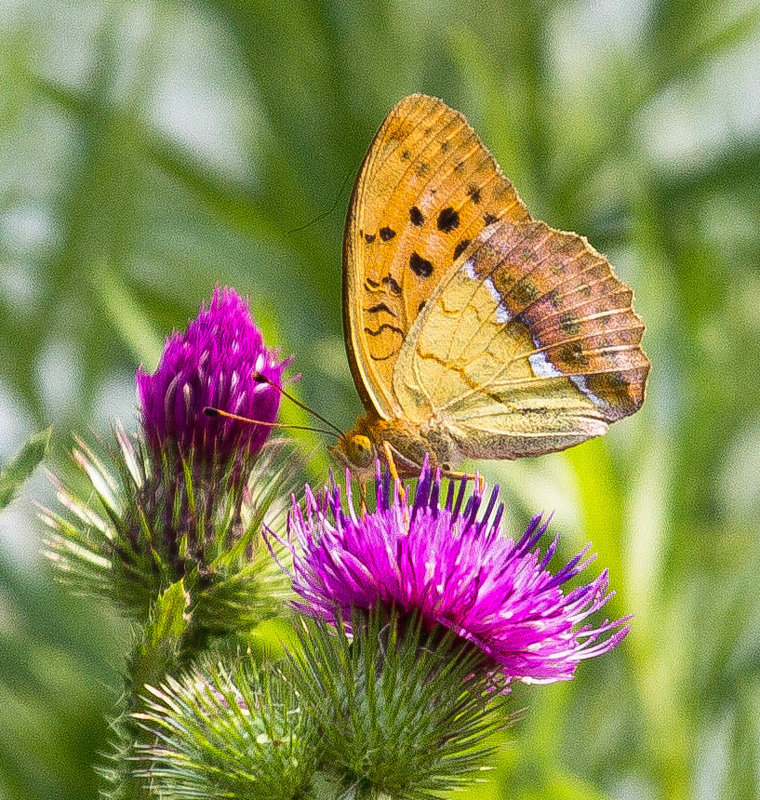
{"points": [[455, 570], [214, 363]]}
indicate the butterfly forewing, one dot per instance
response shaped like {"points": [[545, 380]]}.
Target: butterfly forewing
{"points": [[427, 189]]}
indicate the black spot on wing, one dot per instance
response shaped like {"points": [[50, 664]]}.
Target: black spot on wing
{"points": [[569, 323], [460, 248], [557, 269], [474, 194], [392, 284], [386, 233], [489, 219], [421, 306], [369, 237], [379, 307], [415, 216], [524, 292], [572, 354], [420, 266], [448, 220], [384, 326]]}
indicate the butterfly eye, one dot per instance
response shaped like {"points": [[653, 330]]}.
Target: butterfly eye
{"points": [[360, 451]]}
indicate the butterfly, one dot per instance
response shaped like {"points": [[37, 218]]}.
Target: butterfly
{"points": [[473, 330]]}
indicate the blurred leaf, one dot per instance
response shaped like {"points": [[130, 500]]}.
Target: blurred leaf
{"points": [[128, 318], [15, 473]]}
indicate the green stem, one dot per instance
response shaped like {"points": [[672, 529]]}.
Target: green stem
{"points": [[158, 651], [125, 781]]}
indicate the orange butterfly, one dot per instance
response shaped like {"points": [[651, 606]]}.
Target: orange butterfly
{"points": [[472, 329]]}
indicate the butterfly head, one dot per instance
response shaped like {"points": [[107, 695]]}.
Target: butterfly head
{"points": [[356, 450]]}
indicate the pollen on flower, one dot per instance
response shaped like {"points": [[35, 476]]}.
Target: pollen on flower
{"points": [[214, 363], [449, 564]]}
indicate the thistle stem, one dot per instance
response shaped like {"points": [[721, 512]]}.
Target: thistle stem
{"points": [[160, 649]]}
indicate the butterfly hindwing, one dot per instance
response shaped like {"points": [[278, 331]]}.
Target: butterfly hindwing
{"points": [[529, 345], [427, 188]]}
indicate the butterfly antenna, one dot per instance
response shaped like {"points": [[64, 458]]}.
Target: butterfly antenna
{"points": [[259, 377], [211, 411], [329, 211]]}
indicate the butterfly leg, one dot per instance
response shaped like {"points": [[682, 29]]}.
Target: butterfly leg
{"points": [[392, 467], [466, 476], [363, 488], [394, 474]]}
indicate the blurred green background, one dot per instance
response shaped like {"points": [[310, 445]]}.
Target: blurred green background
{"points": [[149, 150]]}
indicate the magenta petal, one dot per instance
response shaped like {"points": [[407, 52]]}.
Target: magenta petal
{"points": [[455, 570], [215, 362]]}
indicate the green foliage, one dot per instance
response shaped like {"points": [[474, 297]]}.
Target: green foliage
{"points": [[151, 149], [229, 733], [16, 472], [160, 645], [401, 714]]}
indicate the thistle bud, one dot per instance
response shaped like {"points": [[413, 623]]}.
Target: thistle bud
{"points": [[220, 362], [185, 500], [237, 732]]}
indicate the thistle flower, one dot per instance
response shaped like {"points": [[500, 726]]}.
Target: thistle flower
{"points": [[219, 361], [449, 564], [150, 519]]}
